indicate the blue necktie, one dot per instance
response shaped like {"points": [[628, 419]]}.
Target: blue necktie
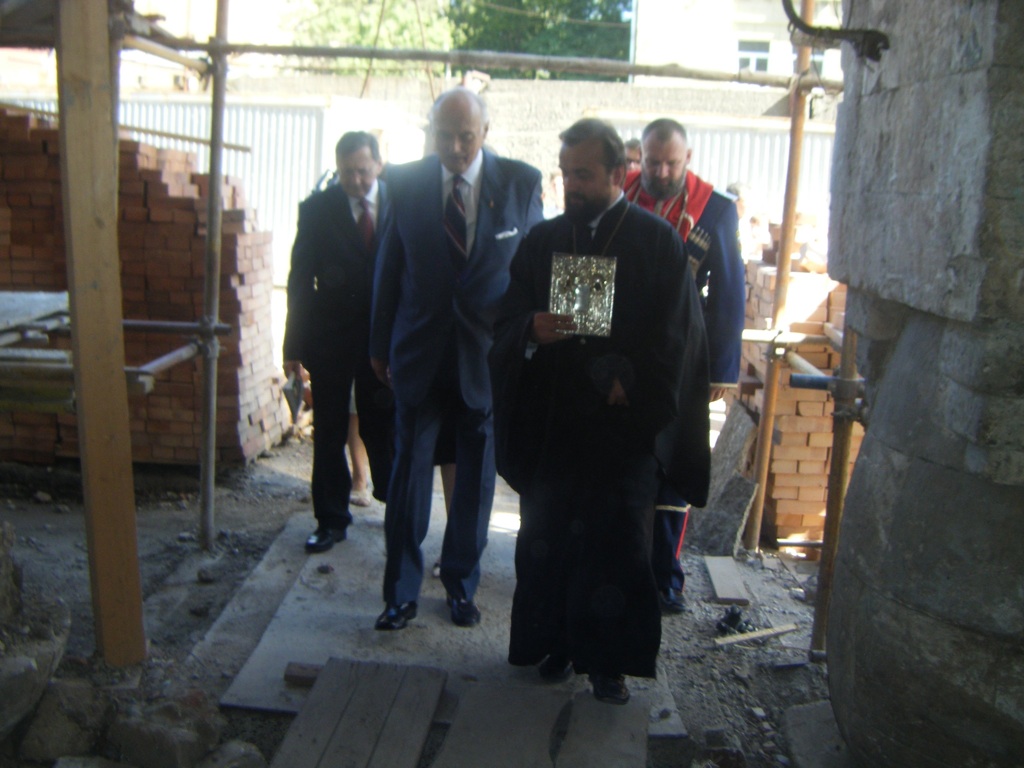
{"points": [[455, 223]]}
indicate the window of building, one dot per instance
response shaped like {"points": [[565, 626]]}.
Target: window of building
{"points": [[753, 55], [817, 65]]}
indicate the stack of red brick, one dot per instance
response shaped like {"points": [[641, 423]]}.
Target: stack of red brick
{"points": [[162, 228], [801, 451]]}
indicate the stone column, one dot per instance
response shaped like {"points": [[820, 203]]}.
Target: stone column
{"points": [[926, 635]]}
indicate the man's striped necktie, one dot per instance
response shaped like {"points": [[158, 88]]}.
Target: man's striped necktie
{"points": [[455, 223]]}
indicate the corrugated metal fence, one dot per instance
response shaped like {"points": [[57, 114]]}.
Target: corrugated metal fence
{"points": [[756, 153], [290, 149]]}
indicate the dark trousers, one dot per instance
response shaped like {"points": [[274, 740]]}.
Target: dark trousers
{"points": [[332, 480], [407, 516], [669, 527], [583, 573]]}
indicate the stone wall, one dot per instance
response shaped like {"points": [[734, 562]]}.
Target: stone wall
{"points": [[927, 230], [162, 244]]}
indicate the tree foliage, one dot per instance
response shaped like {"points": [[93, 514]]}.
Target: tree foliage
{"points": [[588, 28], [408, 24]]}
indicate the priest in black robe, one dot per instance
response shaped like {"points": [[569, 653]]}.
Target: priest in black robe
{"points": [[589, 419]]}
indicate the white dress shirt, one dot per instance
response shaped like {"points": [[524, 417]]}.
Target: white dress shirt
{"points": [[356, 204]]}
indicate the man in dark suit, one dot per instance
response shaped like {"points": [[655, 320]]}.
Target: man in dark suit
{"points": [[708, 223], [327, 331], [456, 219], [581, 399]]}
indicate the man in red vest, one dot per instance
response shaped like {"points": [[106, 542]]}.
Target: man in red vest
{"points": [[709, 226]]}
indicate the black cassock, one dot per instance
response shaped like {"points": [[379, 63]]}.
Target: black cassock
{"points": [[587, 472]]}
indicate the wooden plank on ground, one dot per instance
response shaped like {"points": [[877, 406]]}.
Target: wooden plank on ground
{"points": [[726, 581], [300, 674], [363, 714], [307, 737], [604, 734], [409, 719], [503, 728], [757, 634]]}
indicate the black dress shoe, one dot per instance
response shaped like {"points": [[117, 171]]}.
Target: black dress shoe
{"points": [[556, 668], [323, 539], [609, 688], [396, 617], [671, 601], [464, 612]]}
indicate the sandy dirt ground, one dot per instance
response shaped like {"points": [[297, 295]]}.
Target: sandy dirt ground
{"points": [[736, 695]]}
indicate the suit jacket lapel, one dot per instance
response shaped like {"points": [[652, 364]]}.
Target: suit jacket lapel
{"points": [[344, 223], [432, 212], [491, 206], [383, 203]]}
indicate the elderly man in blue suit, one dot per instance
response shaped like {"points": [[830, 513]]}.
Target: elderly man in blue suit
{"points": [[456, 220]]}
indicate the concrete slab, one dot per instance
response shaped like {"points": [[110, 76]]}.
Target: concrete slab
{"points": [[331, 605], [813, 737]]}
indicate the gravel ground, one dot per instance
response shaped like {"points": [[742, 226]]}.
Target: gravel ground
{"points": [[733, 696]]}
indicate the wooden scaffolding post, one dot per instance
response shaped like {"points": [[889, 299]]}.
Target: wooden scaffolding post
{"points": [[766, 428], [844, 416], [89, 181]]}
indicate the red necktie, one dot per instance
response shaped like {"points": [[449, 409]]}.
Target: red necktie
{"points": [[365, 224]]}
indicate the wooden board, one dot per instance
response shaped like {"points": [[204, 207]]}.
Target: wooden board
{"points": [[503, 728], [726, 581], [363, 714], [757, 634], [604, 734], [304, 675]]}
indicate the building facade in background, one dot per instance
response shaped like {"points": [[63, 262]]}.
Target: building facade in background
{"points": [[726, 35]]}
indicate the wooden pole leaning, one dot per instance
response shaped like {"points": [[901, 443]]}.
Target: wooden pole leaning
{"points": [[89, 182], [844, 415], [766, 427]]}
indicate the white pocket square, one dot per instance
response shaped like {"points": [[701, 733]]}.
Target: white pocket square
{"points": [[507, 234]]}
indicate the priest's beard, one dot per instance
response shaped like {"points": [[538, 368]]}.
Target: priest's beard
{"points": [[581, 210]]}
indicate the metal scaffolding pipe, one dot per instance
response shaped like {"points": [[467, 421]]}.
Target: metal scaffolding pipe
{"points": [[132, 128], [172, 358], [766, 427], [784, 338], [211, 284], [802, 364], [521, 61], [163, 52], [176, 326]]}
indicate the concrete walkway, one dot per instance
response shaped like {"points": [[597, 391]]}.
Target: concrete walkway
{"points": [[331, 605]]}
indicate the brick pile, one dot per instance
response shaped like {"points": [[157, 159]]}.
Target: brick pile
{"points": [[801, 452], [161, 235]]}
